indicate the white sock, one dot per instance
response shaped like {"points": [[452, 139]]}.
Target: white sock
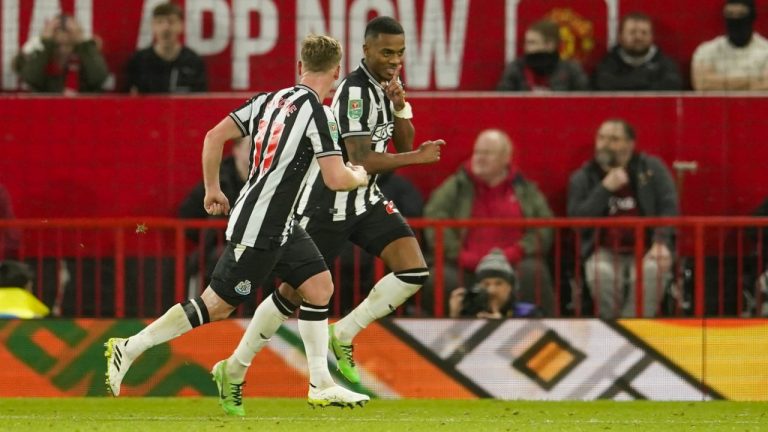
{"points": [[265, 322], [388, 293], [314, 333], [172, 324]]}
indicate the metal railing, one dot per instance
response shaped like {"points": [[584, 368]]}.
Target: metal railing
{"points": [[139, 267]]}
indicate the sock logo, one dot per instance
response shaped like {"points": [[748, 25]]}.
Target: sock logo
{"points": [[243, 288]]}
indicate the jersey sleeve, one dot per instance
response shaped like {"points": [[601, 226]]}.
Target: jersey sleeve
{"points": [[323, 132], [242, 115], [352, 106]]}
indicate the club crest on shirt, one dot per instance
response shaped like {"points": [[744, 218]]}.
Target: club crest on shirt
{"points": [[334, 128], [243, 288], [355, 109]]}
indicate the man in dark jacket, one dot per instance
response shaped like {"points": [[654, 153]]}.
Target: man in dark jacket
{"points": [[620, 182], [636, 63], [167, 66]]}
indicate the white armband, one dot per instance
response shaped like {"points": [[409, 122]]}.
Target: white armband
{"points": [[405, 113]]}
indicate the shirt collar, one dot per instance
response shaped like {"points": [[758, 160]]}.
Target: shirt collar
{"points": [[364, 67], [306, 87]]}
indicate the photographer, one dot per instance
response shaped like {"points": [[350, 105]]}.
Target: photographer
{"points": [[494, 294], [63, 59], [620, 182]]}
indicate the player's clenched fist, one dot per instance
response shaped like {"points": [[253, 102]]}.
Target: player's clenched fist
{"points": [[216, 203], [430, 151], [360, 173]]}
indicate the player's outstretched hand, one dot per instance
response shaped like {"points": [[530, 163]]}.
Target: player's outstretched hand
{"points": [[430, 151], [216, 203]]}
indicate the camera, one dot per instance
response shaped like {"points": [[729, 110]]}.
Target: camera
{"points": [[475, 301]]}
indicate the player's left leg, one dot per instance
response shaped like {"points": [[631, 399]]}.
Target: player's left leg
{"points": [[388, 236]]}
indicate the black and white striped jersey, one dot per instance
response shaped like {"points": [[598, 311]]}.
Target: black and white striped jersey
{"points": [[362, 109], [289, 129]]}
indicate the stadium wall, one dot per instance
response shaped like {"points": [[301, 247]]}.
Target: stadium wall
{"points": [[414, 358], [452, 44], [115, 156]]}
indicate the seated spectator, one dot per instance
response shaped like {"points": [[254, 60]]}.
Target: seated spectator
{"points": [[737, 60], [494, 294], [10, 238], [61, 60], [232, 177], [167, 66], [541, 68], [489, 186], [620, 182], [757, 297], [16, 298], [636, 63]]}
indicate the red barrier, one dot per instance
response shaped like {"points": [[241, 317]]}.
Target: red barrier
{"points": [[139, 157], [132, 239]]}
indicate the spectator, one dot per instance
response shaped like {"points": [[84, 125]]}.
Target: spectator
{"points": [[62, 59], [541, 68], [16, 298], [636, 63], [737, 60], [167, 66], [232, 176], [621, 182], [494, 295], [489, 186], [10, 238]]}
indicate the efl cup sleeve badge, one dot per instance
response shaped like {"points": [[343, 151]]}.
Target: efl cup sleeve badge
{"points": [[334, 131], [243, 288], [355, 109], [389, 206]]}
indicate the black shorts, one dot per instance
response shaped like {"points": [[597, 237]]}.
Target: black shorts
{"points": [[372, 231], [241, 269]]}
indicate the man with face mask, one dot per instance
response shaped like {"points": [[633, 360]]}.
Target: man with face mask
{"points": [[636, 63], [541, 68], [620, 182], [737, 60]]}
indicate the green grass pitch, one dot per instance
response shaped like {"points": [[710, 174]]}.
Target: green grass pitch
{"points": [[200, 414]]}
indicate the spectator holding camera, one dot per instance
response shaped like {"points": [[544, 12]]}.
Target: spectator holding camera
{"points": [[620, 182], [62, 59], [494, 295]]}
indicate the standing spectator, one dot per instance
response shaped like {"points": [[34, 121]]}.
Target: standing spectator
{"points": [[541, 68], [10, 238], [62, 59], [636, 63], [737, 60], [489, 186], [167, 66], [621, 182]]}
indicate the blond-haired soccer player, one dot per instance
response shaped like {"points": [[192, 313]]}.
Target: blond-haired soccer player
{"points": [[294, 137]]}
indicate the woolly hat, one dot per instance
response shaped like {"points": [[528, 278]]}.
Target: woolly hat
{"points": [[495, 264]]}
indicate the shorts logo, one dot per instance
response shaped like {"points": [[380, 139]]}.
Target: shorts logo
{"points": [[334, 131], [389, 206], [243, 288], [355, 109]]}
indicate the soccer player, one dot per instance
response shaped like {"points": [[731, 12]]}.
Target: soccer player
{"points": [[294, 138], [371, 108]]}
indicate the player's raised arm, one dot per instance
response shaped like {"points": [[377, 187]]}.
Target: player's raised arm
{"points": [[403, 133], [215, 201]]}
